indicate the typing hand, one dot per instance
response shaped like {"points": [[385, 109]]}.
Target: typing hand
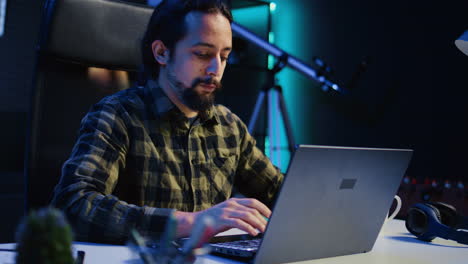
{"points": [[244, 213]]}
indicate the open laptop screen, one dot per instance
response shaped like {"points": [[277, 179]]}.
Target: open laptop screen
{"points": [[333, 202]]}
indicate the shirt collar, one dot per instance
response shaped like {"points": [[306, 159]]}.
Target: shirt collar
{"points": [[163, 106]]}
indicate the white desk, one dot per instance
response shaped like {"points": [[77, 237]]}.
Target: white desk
{"points": [[394, 245]]}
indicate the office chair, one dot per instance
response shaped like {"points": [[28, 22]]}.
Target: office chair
{"points": [[75, 35]]}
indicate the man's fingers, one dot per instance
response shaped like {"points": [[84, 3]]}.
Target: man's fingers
{"points": [[250, 218], [255, 204], [258, 215], [245, 214], [242, 225]]}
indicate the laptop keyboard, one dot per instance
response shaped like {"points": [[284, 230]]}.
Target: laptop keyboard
{"points": [[248, 245]]}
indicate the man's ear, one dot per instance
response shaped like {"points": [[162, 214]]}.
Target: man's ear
{"points": [[160, 52]]}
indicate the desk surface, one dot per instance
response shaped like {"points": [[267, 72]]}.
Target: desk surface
{"points": [[394, 245]]}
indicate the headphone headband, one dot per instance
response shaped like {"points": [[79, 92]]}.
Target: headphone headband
{"points": [[450, 216]]}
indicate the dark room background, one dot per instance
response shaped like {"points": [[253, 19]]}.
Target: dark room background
{"points": [[411, 93]]}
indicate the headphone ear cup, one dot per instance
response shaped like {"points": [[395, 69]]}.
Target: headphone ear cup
{"points": [[419, 220], [448, 214], [435, 210]]}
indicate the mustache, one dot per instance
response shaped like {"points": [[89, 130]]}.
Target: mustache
{"points": [[207, 80]]}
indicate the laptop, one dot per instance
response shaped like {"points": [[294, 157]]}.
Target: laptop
{"points": [[333, 202]]}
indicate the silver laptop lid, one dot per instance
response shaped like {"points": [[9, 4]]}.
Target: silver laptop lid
{"points": [[333, 202]]}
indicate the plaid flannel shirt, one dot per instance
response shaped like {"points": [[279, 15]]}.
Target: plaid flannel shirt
{"points": [[138, 158]]}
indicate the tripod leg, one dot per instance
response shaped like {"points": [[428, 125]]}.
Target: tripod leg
{"points": [[258, 106]]}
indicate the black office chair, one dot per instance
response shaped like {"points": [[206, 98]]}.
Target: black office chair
{"points": [[75, 35]]}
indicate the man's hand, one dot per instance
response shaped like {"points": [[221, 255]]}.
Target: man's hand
{"points": [[243, 213]]}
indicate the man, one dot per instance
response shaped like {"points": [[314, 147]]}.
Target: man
{"points": [[146, 153]]}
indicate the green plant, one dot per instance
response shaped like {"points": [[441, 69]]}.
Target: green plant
{"points": [[44, 237]]}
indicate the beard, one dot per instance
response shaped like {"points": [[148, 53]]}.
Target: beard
{"points": [[189, 95]]}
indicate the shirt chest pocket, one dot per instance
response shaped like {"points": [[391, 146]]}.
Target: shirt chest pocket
{"points": [[218, 174]]}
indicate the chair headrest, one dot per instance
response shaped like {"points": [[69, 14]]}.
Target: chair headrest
{"points": [[102, 33]]}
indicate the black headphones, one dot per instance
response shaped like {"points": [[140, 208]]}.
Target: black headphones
{"points": [[435, 219]]}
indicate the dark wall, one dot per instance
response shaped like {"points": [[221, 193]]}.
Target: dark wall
{"points": [[17, 58], [413, 92]]}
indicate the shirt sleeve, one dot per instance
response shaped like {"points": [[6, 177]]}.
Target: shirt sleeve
{"points": [[256, 177], [89, 177]]}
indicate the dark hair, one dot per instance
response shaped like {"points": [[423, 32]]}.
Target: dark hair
{"points": [[167, 24]]}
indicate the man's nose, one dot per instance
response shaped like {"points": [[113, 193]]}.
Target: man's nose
{"points": [[214, 67]]}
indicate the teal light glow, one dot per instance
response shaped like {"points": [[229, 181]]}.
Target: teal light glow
{"points": [[291, 30], [283, 35], [267, 146], [271, 58], [278, 142], [271, 62], [271, 37], [254, 18], [272, 7]]}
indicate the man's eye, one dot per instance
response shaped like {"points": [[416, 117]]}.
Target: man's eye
{"points": [[201, 55], [224, 58]]}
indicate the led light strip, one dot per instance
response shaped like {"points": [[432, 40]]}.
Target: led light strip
{"points": [[2, 16]]}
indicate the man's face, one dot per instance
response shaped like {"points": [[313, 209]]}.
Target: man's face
{"points": [[197, 62]]}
